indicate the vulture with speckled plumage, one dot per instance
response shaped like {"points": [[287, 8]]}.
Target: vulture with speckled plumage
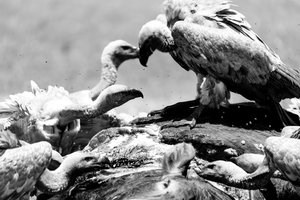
{"points": [[218, 44]]}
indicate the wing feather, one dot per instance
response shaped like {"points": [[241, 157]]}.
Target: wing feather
{"points": [[237, 21], [243, 64], [219, 11], [285, 158], [20, 168], [8, 140], [212, 38]]}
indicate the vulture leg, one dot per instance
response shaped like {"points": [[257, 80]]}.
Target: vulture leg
{"points": [[211, 93], [187, 113], [287, 118]]}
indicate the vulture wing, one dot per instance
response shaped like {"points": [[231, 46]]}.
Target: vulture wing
{"points": [[21, 167]]}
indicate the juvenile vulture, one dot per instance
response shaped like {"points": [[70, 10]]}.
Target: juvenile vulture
{"points": [[218, 44]]}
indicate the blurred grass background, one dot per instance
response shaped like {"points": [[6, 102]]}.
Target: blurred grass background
{"points": [[58, 42]]}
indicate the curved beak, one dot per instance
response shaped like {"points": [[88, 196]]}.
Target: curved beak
{"points": [[154, 35], [148, 40], [131, 53], [145, 52], [116, 95]]}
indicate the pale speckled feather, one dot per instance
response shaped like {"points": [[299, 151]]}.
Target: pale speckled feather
{"points": [[203, 11], [21, 167], [23, 103], [21, 110], [177, 10], [218, 51], [15, 103], [180, 9], [7, 140], [283, 154]]}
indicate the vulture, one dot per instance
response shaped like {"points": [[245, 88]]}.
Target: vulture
{"points": [[174, 183], [52, 115], [142, 167], [113, 55], [56, 115], [278, 156], [24, 168], [217, 43]]}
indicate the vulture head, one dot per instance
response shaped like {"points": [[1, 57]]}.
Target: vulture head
{"points": [[154, 35], [119, 51]]}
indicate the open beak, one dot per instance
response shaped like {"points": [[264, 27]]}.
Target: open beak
{"points": [[154, 35]]}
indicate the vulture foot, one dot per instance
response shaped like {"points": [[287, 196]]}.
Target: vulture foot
{"points": [[184, 108], [188, 112]]}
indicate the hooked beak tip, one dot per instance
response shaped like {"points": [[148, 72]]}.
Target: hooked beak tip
{"points": [[143, 61], [138, 93]]}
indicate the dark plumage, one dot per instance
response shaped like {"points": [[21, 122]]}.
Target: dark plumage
{"points": [[174, 184], [213, 40], [174, 180]]}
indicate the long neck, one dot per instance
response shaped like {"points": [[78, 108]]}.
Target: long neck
{"points": [[108, 75], [248, 181], [256, 180], [52, 182], [232, 175]]}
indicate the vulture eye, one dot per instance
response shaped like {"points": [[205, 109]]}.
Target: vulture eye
{"points": [[125, 47], [87, 159], [211, 166]]}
